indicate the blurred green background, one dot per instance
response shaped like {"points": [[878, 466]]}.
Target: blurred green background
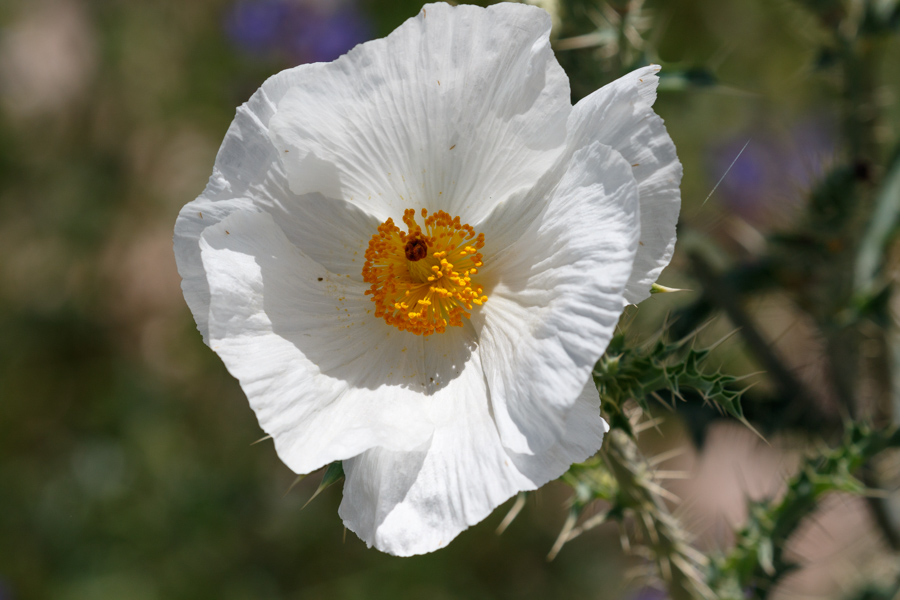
{"points": [[126, 465]]}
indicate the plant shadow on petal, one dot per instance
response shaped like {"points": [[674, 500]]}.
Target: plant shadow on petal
{"points": [[332, 232], [377, 481], [447, 354], [328, 318]]}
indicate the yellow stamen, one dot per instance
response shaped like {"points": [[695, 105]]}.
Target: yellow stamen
{"points": [[414, 285]]}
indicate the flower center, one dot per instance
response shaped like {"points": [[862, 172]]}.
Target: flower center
{"points": [[421, 281]]}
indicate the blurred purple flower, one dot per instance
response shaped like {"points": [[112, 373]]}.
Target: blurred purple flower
{"points": [[649, 593], [336, 34], [299, 30], [772, 175], [255, 26]]}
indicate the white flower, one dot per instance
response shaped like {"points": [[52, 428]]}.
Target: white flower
{"points": [[441, 409]]}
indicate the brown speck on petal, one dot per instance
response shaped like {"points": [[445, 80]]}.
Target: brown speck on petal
{"points": [[453, 146]]}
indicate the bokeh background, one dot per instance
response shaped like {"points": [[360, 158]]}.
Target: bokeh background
{"points": [[126, 464]]}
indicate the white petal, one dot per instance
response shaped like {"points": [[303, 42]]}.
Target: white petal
{"points": [[325, 378], [457, 109], [620, 115], [555, 295], [582, 439], [192, 220], [417, 501], [248, 176], [414, 502]]}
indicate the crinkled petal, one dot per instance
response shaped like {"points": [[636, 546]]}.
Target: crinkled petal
{"points": [[193, 219], [414, 502], [248, 176], [582, 439], [326, 380], [555, 294], [465, 110], [456, 110], [333, 233], [620, 115]]}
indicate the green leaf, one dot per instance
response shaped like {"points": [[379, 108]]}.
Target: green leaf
{"points": [[637, 373], [333, 474]]}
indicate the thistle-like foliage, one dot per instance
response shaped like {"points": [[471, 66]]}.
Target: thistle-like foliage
{"points": [[638, 373], [629, 484], [757, 562], [626, 480]]}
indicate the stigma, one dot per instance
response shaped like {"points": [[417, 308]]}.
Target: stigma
{"points": [[421, 280]]}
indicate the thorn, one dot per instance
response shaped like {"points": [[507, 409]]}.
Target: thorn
{"points": [[296, 481], [632, 315], [671, 475], [512, 514], [668, 321], [680, 512], [563, 536], [664, 456], [640, 572], [695, 555], [723, 339], [728, 170], [660, 399], [662, 492], [625, 542], [748, 376], [694, 575], [693, 334], [589, 524], [634, 412], [665, 568], [747, 424], [651, 528], [640, 427]]}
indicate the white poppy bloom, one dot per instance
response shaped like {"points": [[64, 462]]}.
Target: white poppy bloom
{"points": [[412, 257]]}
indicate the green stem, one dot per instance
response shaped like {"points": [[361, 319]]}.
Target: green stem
{"points": [[678, 563]]}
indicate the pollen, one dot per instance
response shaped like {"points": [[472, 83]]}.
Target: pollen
{"points": [[421, 279]]}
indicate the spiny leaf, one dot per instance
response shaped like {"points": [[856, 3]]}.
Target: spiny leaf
{"points": [[756, 562], [333, 474], [637, 373]]}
